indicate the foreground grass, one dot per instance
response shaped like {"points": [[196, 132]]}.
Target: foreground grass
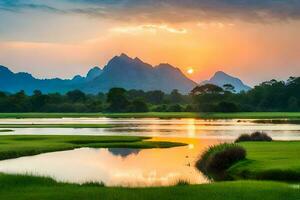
{"points": [[14, 146], [56, 126], [239, 115], [25, 187], [278, 160]]}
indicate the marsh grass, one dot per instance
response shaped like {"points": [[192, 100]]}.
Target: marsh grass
{"points": [[23, 187], [218, 158], [254, 137]]}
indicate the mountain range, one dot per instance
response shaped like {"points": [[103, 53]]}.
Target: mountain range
{"points": [[120, 71], [220, 78]]}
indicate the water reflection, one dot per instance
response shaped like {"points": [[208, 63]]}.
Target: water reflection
{"points": [[116, 167], [185, 128], [123, 152]]}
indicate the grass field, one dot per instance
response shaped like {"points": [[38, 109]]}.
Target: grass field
{"points": [[14, 187], [278, 160], [20, 145], [56, 126], [242, 115]]}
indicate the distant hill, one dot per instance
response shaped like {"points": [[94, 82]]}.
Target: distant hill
{"points": [[220, 78], [123, 71], [120, 71]]}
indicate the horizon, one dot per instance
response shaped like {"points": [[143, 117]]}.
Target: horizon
{"points": [[254, 42]]}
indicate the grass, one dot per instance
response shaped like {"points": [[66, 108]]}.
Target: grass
{"points": [[277, 160], [56, 126], [252, 115], [238, 115], [14, 146], [6, 130], [26, 187]]}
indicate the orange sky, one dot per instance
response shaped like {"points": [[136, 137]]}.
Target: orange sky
{"points": [[61, 45]]}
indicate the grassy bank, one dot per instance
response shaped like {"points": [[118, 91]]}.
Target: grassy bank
{"points": [[6, 130], [20, 145], [56, 126], [24, 187], [243, 115], [278, 160]]}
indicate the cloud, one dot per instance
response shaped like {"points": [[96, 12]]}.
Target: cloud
{"points": [[150, 28], [187, 10], [20, 5], [168, 10]]}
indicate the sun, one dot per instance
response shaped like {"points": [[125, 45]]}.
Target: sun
{"points": [[190, 71]]}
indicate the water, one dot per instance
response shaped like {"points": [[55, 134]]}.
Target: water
{"points": [[183, 128], [133, 167]]}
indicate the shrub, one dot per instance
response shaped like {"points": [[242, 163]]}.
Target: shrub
{"points": [[216, 159], [256, 136], [175, 108]]}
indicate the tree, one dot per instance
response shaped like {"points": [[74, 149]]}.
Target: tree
{"points": [[138, 105], [176, 97], [76, 96], [207, 89], [117, 100], [229, 88], [155, 97]]}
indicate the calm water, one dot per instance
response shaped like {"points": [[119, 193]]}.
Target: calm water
{"points": [[132, 167], [183, 128]]}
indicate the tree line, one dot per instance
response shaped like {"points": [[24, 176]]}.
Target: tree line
{"points": [[268, 96]]}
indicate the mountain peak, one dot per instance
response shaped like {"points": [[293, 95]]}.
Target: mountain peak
{"points": [[93, 73], [221, 78], [220, 73], [4, 69], [124, 56]]}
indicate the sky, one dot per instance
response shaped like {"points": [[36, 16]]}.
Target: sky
{"points": [[255, 40]]}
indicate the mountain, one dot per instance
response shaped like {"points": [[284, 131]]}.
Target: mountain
{"points": [[123, 71], [220, 78], [120, 71], [93, 73]]}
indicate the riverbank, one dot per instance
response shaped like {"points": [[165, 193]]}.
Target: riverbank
{"points": [[238, 115], [277, 160], [28, 187], [56, 126], [13, 146]]}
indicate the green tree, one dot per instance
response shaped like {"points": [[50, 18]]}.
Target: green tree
{"points": [[138, 105], [117, 100]]}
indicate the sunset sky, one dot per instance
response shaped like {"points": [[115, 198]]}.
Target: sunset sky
{"points": [[255, 40]]}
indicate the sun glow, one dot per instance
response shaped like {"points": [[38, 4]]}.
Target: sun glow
{"points": [[190, 71]]}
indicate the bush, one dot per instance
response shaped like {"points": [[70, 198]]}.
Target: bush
{"points": [[217, 159], [175, 108], [256, 136]]}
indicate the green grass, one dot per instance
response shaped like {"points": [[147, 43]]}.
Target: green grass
{"points": [[20, 187], [110, 115], [278, 160], [14, 146], [252, 115], [6, 130], [57, 126], [240, 115]]}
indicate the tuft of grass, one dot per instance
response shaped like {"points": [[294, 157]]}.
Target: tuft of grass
{"points": [[256, 136], [182, 182], [218, 158]]}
